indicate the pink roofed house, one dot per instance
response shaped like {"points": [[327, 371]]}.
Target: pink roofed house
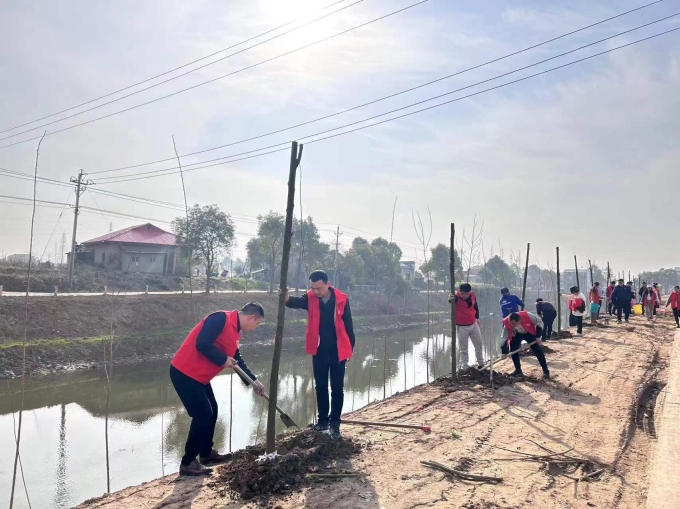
{"points": [[142, 248]]}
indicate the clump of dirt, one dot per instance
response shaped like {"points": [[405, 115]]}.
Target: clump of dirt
{"points": [[472, 376], [298, 455], [565, 334]]}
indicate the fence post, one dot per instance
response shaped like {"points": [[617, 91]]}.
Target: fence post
{"points": [[56, 289], [146, 292], [182, 288], [0, 290], [105, 289]]}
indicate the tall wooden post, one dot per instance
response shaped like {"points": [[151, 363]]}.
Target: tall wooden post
{"points": [[592, 278], [578, 282], [295, 157], [609, 274], [452, 276], [559, 294], [526, 271]]}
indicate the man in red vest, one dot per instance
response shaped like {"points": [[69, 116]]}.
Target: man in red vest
{"points": [[523, 326], [208, 349], [467, 324], [330, 341]]}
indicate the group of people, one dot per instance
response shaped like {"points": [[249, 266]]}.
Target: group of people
{"points": [[213, 345]]}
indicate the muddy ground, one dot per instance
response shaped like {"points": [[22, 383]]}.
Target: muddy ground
{"points": [[67, 333], [598, 409]]}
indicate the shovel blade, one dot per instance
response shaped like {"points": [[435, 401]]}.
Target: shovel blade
{"points": [[290, 423]]}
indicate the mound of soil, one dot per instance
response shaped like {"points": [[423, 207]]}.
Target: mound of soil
{"points": [[472, 376], [565, 334], [298, 455]]}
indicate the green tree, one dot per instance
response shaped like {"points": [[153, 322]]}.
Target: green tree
{"points": [[307, 251], [210, 233], [438, 263], [269, 242], [497, 272]]}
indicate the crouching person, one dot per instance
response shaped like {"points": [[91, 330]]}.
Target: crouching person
{"points": [[523, 326]]}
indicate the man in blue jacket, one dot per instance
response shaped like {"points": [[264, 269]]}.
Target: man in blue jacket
{"points": [[510, 303]]}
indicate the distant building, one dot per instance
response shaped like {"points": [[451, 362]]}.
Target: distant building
{"points": [[19, 259], [408, 270], [143, 248], [568, 279]]}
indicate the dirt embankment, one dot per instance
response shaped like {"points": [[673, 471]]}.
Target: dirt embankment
{"points": [[67, 332], [583, 439]]}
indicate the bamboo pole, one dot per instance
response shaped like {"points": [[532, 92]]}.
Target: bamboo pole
{"points": [[370, 370], [559, 294], [578, 282], [526, 271], [295, 157], [231, 405], [385, 368], [452, 275], [405, 380]]}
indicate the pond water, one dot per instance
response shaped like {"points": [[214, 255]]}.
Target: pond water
{"points": [[63, 446]]}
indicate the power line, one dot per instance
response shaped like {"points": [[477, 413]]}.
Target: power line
{"points": [[216, 79], [177, 68], [174, 77], [169, 171], [387, 96]]}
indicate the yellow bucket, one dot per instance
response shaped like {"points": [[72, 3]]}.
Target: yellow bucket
{"points": [[637, 309]]}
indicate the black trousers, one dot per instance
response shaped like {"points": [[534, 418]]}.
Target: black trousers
{"points": [[326, 363], [578, 321], [549, 317], [622, 308], [676, 314], [199, 400], [516, 343], [611, 306]]}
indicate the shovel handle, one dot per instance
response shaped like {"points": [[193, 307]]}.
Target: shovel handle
{"points": [[264, 394], [389, 424], [510, 354]]}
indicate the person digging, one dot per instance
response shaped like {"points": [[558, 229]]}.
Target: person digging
{"points": [[330, 341], [523, 326], [212, 346]]}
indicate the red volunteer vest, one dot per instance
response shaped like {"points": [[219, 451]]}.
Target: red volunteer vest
{"points": [[610, 290], [576, 303], [465, 315], [314, 322], [595, 296], [194, 364], [675, 300], [526, 322], [653, 293]]}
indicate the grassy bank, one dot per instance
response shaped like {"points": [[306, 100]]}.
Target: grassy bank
{"points": [[67, 333]]}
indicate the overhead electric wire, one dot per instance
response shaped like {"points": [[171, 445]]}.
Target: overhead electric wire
{"points": [[387, 96], [219, 77], [178, 76], [169, 171], [175, 69]]}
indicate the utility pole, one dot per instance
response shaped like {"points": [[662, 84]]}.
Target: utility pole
{"points": [[62, 247], [337, 246], [80, 189]]}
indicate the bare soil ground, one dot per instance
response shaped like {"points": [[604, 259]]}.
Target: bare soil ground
{"points": [[600, 402]]}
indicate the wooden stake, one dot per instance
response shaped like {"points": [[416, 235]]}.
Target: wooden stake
{"points": [[385, 369], [295, 157], [578, 282], [231, 405], [452, 275], [559, 294], [370, 370], [405, 381], [526, 271]]}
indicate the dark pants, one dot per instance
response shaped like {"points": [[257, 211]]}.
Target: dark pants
{"points": [[578, 321], [199, 400], [516, 343], [326, 362], [676, 314], [622, 308], [610, 307], [549, 317]]}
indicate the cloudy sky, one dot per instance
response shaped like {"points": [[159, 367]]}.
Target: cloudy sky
{"points": [[585, 157]]}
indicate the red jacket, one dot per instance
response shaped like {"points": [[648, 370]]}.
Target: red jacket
{"points": [[675, 300], [314, 322], [466, 314], [194, 364], [610, 290], [653, 293], [576, 303], [526, 322]]}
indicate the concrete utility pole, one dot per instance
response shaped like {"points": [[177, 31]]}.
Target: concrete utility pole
{"points": [[337, 246], [80, 189]]}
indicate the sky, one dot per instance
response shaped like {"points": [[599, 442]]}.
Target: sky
{"points": [[580, 157]]}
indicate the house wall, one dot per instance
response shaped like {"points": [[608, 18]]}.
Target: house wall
{"points": [[142, 258]]}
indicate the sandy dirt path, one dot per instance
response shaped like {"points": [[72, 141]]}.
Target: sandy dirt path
{"points": [[594, 403]]}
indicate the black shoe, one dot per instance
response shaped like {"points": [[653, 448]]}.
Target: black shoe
{"points": [[322, 427], [194, 469], [335, 431], [517, 373], [546, 375], [627, 321], [619, 321]]}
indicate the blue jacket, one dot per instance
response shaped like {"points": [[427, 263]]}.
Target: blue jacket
{"points": [[510, 304]]}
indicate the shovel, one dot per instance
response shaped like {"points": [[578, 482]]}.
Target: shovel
{"points": [[389, 424], [290, 423], [509, 354]]}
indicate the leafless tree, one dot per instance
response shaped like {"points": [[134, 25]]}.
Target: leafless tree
{"points": [[425, 238]]}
